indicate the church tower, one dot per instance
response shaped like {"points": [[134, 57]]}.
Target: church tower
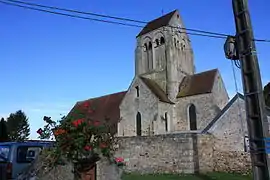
{"points": [[164, 53]]}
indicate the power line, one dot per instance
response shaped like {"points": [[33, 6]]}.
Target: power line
{"points": [[79, 12], [127, 19], [198, 32], [74, 16], [94, 19], [111, 17]]}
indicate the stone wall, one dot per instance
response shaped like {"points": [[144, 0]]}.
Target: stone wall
{"points": [[146, 104], [231, 161], [206, 110], [219, 92], [172, 153], [230, 129], [180, 153]]}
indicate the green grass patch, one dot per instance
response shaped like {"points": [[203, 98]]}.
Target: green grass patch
{"points": [[210, 176]]}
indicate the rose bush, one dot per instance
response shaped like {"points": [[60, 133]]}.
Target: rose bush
{"points": [[80, 139]]}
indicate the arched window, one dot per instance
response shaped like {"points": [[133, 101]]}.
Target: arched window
{"points": [[166, 122], [150, 46], [162, 40], [157, 42], [139, 124], [192, 117], [137, 91], [145, 47], [175, 42]]}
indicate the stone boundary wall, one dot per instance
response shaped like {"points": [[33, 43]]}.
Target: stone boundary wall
{"points": [[171, 153], [232, 162], [179, 153]]}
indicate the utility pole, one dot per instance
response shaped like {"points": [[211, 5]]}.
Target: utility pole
{"points": [[242, 47]]}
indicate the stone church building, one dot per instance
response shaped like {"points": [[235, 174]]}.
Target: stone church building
{"points": [[168, 96]]}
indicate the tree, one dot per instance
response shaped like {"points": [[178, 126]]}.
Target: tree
{"points": [[266, 93], [3, 131], [18, 126]]}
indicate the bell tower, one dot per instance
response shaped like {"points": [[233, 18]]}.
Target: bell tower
{"points": [[164, 53]]}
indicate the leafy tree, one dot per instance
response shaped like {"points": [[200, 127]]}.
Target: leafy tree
{"points": [[18, 126], [266, 93], [3, 131]]}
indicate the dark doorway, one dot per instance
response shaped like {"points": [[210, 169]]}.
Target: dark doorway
{"points": [[192, 117], [139, 124]]}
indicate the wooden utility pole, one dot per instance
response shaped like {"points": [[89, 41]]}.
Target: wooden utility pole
{"points": [[255, 106]]}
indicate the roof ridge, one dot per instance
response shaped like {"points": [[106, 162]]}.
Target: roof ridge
{"points": [[157, 23], [102, 96], [210, 70], [172, 12]]}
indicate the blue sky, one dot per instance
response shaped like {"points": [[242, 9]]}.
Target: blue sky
{"points": [[49, 62]]}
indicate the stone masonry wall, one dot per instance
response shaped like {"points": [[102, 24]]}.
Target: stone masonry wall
{"points": [[219, 92], [231, 161], [180, 153], [231, 128], [206, 110], [171, 153], [146, 104]]}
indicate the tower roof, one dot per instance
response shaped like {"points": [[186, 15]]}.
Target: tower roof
{"points": [[157, 23]]}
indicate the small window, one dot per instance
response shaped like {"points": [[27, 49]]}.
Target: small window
{"points": [[137, 91], [162, 40], [166, 122], [153, 128], [157, 42], [192, 117], [174, 42], [145, 47], [139, 124], [150, 46]]}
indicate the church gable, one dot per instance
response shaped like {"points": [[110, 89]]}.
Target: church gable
{"points": [[219, 92], [137, 110], [136, 90], [201, 83]]}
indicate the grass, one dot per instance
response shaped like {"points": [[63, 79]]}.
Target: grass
{"points": [[211, 176]]}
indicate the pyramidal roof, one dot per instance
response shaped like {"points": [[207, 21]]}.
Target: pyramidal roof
{"points": [[157, 23]]}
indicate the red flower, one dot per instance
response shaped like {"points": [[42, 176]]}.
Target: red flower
{"points": [[119, 160], [59, 132], [103, 145], [87, 148], [39, 131], [77, 122]]}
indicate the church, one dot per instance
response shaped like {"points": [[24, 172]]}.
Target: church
{"points": [[167, 95]]}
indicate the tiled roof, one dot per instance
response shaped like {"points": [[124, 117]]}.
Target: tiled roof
{"points": [[105, 107], [157, 23], [196, 84], [156, 89]]}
